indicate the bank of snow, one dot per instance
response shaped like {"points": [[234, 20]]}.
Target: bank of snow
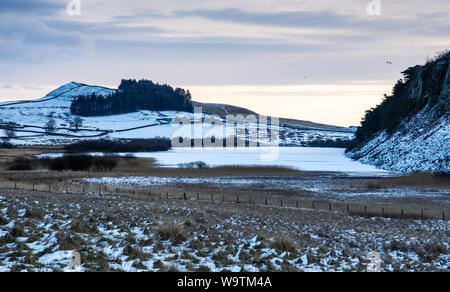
{"points": [[421, 144]]}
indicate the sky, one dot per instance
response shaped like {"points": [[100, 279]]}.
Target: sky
{"points": [[319, 60]]}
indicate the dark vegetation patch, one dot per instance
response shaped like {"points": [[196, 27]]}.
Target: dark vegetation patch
{"points": [[6, 145], [67, 162], [330, 143], [134, 96], [134, 145], [193, 165], [416, 180], [21, 164]]}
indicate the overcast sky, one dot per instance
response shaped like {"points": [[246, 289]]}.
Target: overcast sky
{"points": [[318, 60]]}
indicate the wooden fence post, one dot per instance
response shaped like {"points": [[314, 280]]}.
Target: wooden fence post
{"points": [[296, 204], [348, 209], [265, 201], [329, 206], [314, 207], [365, 210]]}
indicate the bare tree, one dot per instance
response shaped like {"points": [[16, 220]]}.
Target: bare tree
{"points": [[50, 127], [76, 123], [10, 131]]}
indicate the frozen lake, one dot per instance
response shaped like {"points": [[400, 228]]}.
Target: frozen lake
{"points": [[301, 158]]}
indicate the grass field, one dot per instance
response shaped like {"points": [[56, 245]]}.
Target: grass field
{"points": [[140, 217]]}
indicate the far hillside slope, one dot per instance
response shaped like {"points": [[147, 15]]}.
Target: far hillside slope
{"points": [[29, 121], [222, 110]]}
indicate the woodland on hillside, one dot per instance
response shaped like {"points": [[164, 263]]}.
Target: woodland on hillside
{"points": [[134, 96]]}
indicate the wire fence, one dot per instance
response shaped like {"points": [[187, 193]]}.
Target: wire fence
{"points": [[350, 208]]}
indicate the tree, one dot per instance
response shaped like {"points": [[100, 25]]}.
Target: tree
{"points": [[405, 101], [134, 96], [50, 127], [10, 131], [76, 123]]}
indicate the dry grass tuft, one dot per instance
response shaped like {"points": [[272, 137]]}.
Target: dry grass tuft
{"points": [[67, 242], [34, 214], [170, 268], [81, 226], [171, 232], [17, 231], [284, 243]]}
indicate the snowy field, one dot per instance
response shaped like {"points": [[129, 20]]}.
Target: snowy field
{"points": [[40, 230], [138, 125]]}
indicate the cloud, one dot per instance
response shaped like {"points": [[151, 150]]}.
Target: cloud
{"points": [[302, 19], [142, 14], [31, 6], [215, 42], [435, 23], [30, 40], [100, 30]]}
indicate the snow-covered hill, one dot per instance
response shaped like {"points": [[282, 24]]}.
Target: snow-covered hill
{"points": [[420, 145], [30, 119], [421, 142]]}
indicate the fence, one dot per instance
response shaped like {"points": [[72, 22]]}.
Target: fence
{"points": [[351, 208]]}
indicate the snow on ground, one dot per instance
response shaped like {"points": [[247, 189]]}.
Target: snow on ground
{"points": [[421, 144], [149, 124], [126, 234], [319, 188]]}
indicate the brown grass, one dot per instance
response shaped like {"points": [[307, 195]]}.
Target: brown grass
{"points": [[83, 226], [284, 243], [171, 232], [419, 180]]}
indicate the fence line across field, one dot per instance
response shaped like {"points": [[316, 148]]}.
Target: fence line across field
{"points": [[352, 209]]}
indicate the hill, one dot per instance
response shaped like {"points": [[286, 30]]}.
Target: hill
{"points": [[133, 96], [56, 109], [410, 129]]}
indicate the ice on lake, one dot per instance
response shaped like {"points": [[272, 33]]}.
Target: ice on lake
{"points": [[300, 158]]}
